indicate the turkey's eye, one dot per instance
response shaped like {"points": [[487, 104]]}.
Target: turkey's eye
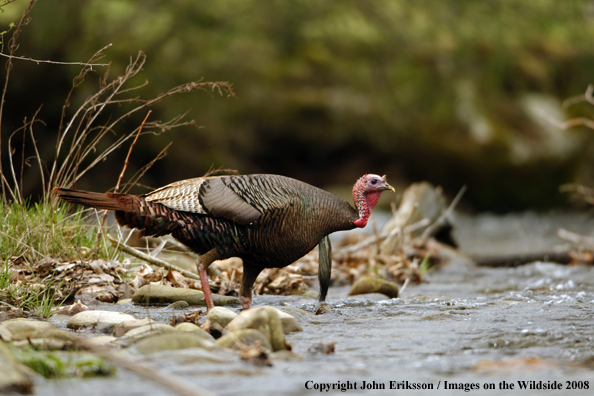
{"points": [[373, 181]]}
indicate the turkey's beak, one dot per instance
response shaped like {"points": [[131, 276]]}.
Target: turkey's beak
{"points": [[385, 187]]}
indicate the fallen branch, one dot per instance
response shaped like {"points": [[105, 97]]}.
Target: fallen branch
{"points": [[150, 259], [574, 238], [444, 216]]}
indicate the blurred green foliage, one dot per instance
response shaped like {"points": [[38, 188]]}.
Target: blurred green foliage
{"points": [[327, 91]]}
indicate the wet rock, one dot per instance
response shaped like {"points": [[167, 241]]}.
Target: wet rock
{"points": [[255, 354], [122, 328], [370, 284], [221, 316], [145, 331], [100, 340], [326, 348], [160, 294], [217, 319], [46, 344], [323, 309], [297, 313], [178, 305], [103, 321], [241, 337], [171, 341], [290, 324], [192, 328], [14, 376], [123, 301], [264, 319], [22, 328]]}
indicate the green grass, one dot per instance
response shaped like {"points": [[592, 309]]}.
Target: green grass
{"points": [[39, 231], [31, 233]]}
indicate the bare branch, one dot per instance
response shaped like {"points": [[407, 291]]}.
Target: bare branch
{"points": [[444, 216], [37, 155], [53, 62], [117, 187], [144, 169], [150, 259], [7, 3], [571, 123]]}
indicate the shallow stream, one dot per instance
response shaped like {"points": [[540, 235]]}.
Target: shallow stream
{"points": [[472, 327]]}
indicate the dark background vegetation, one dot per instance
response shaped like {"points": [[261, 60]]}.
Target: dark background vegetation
{"points": [[445, 91]]}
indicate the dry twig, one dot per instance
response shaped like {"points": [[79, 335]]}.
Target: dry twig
{"points": [[150, 259]]}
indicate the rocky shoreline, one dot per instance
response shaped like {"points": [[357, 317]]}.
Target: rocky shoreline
{"points": [[221, 334]]}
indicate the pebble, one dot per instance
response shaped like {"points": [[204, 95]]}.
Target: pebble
{"points": [[102, 321], [14, 378], [100, 340], [290, 324], [245, 337], [264, 319], [148, 330], [217, 319], [192, 328], [22, 328], [122, 328]]}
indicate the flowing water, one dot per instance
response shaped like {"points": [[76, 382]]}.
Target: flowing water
{"points": [[466, 328]]}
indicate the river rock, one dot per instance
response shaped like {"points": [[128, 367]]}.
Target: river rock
{"points": [[217, 319], [22, 328], [100, 340], [103, 321], [192, 328], [40, 334], [160, 294], [243, 336], [264, 319], [122, 328], [290, 324], [14, 378], [370, 284], [170, 341], [145, 331]]}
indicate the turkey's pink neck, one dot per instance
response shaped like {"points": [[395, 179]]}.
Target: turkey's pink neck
{"points": [[364, 202]]}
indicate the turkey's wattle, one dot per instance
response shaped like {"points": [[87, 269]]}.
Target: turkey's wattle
{"points": [[268, 221]]}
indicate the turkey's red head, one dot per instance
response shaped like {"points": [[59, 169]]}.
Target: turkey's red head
{"points": [[366, 192]]}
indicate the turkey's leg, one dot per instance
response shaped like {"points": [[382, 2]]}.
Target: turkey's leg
{"points": [[250, 274], [202, 263]]}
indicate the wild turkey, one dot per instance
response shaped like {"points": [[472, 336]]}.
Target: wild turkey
{"points": [[269, 221]]}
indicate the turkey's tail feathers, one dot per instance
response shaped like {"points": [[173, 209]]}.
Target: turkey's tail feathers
{"points": [[107, 201], [130, 210]]}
